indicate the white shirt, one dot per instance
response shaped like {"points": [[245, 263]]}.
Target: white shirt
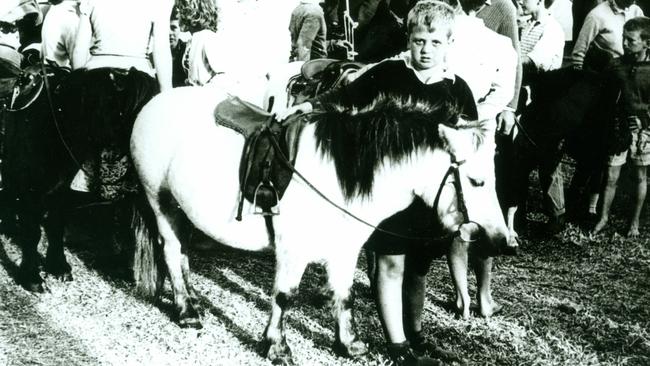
{"points": [[487, 61], [547, 52], [59, 32]]}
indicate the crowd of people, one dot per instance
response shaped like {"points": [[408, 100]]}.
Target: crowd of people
{"points": [[482, 55]]}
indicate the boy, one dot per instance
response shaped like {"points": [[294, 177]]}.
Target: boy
{"points": [[632, 75], [541, 50], [401, 268]]}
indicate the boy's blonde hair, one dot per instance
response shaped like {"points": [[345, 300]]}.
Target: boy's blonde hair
{"points": [[431, 14]]}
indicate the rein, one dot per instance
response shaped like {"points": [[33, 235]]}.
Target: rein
{"points": [[50, 103], [453, 169]]}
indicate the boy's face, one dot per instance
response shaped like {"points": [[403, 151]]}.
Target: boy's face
{"points": [[529, 6], [633, 44], [428, 49]]}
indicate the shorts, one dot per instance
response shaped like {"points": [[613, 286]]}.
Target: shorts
{"points": [[638, 153], [417, 222]]}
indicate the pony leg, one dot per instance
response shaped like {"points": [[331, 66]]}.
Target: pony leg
{"points": [[340, 274], [457, 261], [483, 270], [54, 225], [188, 317], [288, 273], [30, 214]]}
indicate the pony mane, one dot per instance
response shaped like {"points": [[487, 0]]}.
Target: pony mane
{"points": [[359, 139]]}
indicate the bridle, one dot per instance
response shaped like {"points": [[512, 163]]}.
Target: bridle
{"points": [[460, 199]]}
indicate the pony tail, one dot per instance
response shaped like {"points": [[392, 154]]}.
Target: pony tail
{"points": [[148, 264]]}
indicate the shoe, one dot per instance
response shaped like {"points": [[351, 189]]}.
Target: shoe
{"points": [[402, 355], [421, 347], [556, 224]]}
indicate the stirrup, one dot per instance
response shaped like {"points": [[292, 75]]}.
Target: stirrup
{"points": [[273, 210]]}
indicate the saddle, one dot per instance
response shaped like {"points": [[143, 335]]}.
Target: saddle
{"points": [[268, 156], [29, 84], [9, 72], [319, 75]]}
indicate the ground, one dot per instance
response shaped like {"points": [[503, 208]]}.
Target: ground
{"points": [[568, 300]]}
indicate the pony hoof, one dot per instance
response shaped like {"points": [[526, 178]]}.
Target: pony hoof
{"points": [[190, 323], [34, 287], [278, 353], [63, 277], [355, 349], [62, 272], [283, 361]]}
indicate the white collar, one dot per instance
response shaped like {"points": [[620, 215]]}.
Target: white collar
{"points": [[435, 76]]}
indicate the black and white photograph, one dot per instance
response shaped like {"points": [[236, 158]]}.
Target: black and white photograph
{"points": [[324, 182]]}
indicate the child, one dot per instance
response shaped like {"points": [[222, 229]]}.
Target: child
{"points": [[401, 267], [632, 75]]}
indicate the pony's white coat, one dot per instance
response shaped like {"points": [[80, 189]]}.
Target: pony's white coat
{"points": [[185, 160]]}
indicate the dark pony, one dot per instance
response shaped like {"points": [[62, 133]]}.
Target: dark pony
{"points": [[359, 140], [49, 141], [570, 113]]}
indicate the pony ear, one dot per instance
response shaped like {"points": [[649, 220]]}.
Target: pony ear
{"points": [[458, 143]]}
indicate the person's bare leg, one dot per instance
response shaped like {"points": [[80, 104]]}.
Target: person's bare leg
{"points": [[414, 291], [390, 278], [641, 189], [609, 192]]}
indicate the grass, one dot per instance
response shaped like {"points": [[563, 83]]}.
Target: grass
{"points": [[568, 300]]}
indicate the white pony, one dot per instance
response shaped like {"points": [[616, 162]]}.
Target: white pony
{"points": [[363, 162]]}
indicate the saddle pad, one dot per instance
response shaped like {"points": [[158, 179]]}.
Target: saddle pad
{"points": [[241, 116]]}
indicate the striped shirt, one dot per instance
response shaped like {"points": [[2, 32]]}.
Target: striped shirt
{"points": [[542, 41]]}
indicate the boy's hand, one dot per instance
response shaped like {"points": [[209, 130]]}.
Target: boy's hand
{"points": [[505, 122], [305, 107]]}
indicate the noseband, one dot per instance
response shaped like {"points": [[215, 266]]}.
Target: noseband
{"points": [[454, 169]]}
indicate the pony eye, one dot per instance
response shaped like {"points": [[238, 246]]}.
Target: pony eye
{"points": [[476, 182]]}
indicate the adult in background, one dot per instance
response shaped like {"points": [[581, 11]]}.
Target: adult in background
{"points": [[308, 31], [113, 77], [202, 55], [178, 47], [501, 17], [60, 31], [600, 39], [579, 10]]}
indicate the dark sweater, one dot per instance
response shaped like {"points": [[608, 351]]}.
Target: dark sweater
{"points": [[393, 78]]}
